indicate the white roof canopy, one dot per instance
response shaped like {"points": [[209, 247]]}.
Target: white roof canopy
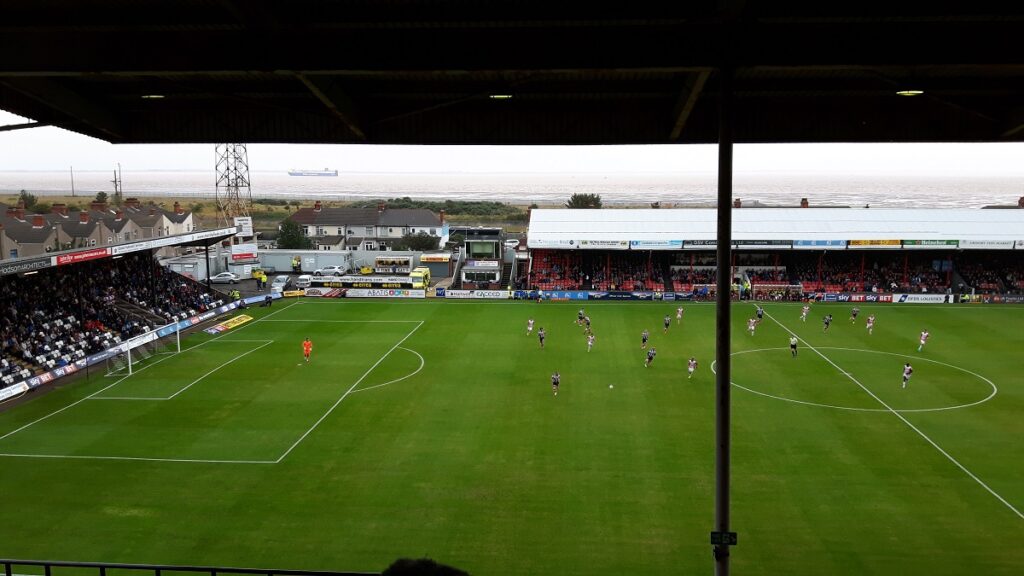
{"points": [[779, 228]]}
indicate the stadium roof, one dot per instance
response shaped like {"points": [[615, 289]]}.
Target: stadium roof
{"points": [[526, 72], [776, 228], [32, 264]]}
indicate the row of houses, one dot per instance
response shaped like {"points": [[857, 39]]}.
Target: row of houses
{"points": [[24, 234], [364, 228]]}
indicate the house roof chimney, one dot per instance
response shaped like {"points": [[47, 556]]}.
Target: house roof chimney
{"points": [[178, 209], [737, 203], [317, 206], [804, 203], [19, 210], [152, 210], [441, 214], [133, 203], [1020, 202], [381, 207], [83, 217], [118, 216], [38, 221], [98, 206], [60, 208]]}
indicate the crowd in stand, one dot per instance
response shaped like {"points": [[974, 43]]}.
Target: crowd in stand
{"points": [[839, 272], [60, 315], [687, 278], [991, 273], [767, 275], [561, 270], [885, 273]]}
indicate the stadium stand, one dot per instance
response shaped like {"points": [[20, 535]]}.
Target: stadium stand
{"points": [[562, 270], [60, 315], [810, 271]]}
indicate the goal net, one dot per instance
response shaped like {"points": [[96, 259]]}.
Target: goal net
{"points": [[142, 350]]}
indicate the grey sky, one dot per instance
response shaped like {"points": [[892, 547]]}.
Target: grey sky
{"points": [[56, 149]]}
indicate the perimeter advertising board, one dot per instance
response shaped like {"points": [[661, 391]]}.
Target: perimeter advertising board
{"points": [[929, 244], [874, 244], [564, 244], [478, 294], [819, 244], [921, 298], [987, 244], [321, 292], [655, 244], [383, 293], [700, 244], [563, 295], [83, 256], [763, 244], [604, 244], [26, 265]]}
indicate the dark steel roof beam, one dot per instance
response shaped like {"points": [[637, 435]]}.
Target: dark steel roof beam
{"points": [[65, 101], [687, 100], [336, 100]]}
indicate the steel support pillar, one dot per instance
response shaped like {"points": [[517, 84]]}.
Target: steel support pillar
{"points": [[723, 310]]}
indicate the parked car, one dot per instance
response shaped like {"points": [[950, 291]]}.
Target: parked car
{"points": [[224, 278], [279, 284], [330, 271], [303, 281]]}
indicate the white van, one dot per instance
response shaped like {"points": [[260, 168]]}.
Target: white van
{"points": [[303, 282]]}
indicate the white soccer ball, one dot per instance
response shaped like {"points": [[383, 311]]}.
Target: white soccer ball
{"points": [[611, 385]]}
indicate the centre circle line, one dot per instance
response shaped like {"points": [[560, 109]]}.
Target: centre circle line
{"points": [[995, 389]]}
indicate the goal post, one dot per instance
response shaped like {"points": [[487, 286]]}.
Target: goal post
{"points": [[142, 349]]}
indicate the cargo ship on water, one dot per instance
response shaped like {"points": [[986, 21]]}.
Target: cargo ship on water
{"points": [[324, 172]]}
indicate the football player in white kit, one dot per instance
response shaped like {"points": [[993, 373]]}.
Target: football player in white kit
{"points": [[691, 365], [871, 324], [907, 371], [590, 342], [679, 315], [752, 325], [803, 313], [924, 339], [529, 327]]}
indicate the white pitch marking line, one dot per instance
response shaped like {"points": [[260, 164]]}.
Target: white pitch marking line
{"points": [[265, 343], [995, 389], [347, 392], [239, 357], [422, 364], [905, 421], [318, 321], [133, 458], [128, 376], [124, 398]]}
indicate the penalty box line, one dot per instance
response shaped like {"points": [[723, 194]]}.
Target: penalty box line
{"points": [[101, 390], [419, 323], [902, 418], [197, 380]]}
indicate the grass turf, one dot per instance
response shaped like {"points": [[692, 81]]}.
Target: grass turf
{"points": [[473, 462]]}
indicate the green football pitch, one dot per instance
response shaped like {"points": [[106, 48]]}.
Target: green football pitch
{"points": [[430, 429]]}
